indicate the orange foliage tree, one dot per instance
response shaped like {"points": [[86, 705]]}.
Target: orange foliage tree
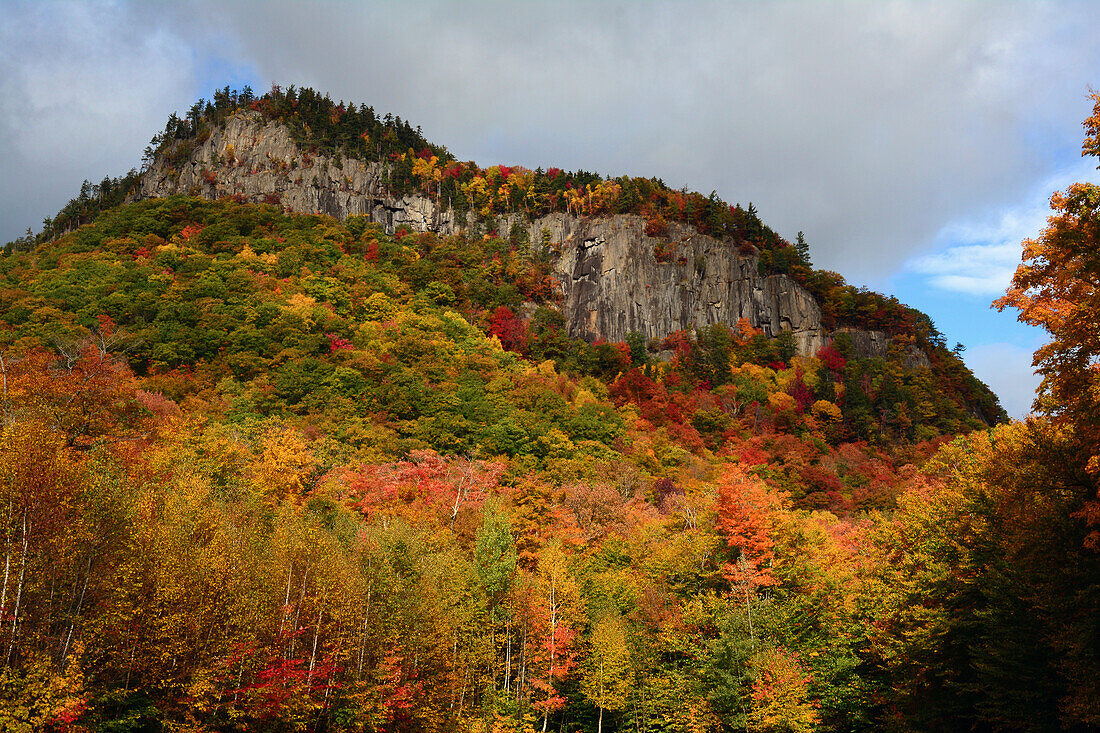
{"points": [[85, 393], [780, 695], [746, 513], [427, 485], [1057, 287]]}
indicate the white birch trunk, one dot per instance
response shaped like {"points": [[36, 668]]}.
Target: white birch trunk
{"points": [[18, 593]]}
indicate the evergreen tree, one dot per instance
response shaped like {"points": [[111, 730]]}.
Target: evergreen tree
{"points": [[803, 249]]}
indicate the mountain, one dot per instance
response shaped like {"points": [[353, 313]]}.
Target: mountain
{"points": [[619, 273], [629, 257], [613, 278], [496, 449]]}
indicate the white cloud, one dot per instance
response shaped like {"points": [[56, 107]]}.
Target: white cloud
{"points": [[980, 255], [974, 269], [1007, 369]]}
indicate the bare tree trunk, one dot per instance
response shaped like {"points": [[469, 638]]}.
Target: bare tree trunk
{"points": [[298, 608], [324, 704], [462, 697], [553, 642], [286, 600], [49, 606], [130, 662], [18, 593], [460, 494], [743, 566], [522, 664], [7, 564], [363, 641], [240, 677], [4, 374], [493, 646], [553, 632], [62, 663], [508, 660], [313, 654], [748, 612]]}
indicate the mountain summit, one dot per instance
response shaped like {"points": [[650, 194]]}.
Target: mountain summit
{"points": [[629, 256]]}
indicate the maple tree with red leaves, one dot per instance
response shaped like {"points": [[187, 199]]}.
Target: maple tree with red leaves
{"points": [[427, 484], [746, 517], [509, 328]]}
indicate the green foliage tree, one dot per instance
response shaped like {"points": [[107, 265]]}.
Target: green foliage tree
{"points": [[495, 554]]}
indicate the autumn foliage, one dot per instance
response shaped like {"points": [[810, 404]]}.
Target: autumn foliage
{"points": [[263, 471], [746, 510], [1057, 287]]}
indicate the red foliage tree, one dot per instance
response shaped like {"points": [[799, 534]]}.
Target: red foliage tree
{"points": [[802, 394], [510, 329], [337, 343], [425, 485], [832, 359]]}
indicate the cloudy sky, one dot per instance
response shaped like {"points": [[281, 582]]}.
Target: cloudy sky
{"points": [[915, 144]]}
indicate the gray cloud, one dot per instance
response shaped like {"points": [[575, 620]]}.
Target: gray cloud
{"points": [[83, 86], [867, 125]]}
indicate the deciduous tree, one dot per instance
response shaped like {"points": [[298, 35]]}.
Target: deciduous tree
{"points": [[1057, 287], [607, 671]]}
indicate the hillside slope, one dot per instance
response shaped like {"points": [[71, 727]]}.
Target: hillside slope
{"points": [[271, 471], [629, 255]]}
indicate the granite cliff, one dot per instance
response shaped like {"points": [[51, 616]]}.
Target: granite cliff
{"points": [[259, 161], [613, 284], [612, 278]]}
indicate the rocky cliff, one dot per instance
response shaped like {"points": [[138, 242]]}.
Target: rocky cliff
{"points": [[613, 282], [614, 279], [260, 162]]}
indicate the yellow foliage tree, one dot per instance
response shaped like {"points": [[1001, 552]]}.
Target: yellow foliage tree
{"points": [[285, 466], [607, 673]]}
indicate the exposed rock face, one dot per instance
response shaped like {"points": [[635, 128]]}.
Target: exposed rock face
{"points": [[612, 281], [261, 163], [868, 344], [915, 359]]}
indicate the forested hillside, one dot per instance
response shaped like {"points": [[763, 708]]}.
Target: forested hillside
{"points": [[272, 471], [346, 136]]}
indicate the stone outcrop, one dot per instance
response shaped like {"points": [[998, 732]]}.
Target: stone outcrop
{"points": [[614, 279], [260, 162], [613, 283], [868, 344]]}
